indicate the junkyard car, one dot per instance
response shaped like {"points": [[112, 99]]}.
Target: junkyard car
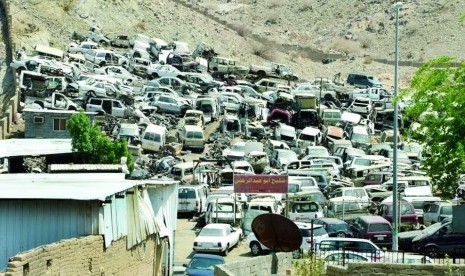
{"points": [[217, 237]]}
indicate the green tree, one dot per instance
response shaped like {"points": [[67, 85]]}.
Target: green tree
{"points": [[437, 104], [92, 146]]}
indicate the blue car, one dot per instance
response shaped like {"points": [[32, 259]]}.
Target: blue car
{"points": [[203, 264]]}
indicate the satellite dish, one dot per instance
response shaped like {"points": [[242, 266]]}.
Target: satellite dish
{"points": [[277, 232]]}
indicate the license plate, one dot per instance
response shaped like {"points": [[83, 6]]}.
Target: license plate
{"points": [[380, 238]]}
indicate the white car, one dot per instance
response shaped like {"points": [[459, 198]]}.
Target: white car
{"points": [[82, 48], [218, 238], [116, 72], [164, 71], [319, 233]]}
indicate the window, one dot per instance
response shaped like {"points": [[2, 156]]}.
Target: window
{"points": [[116, 104], [59, 124], [379, 227], [186, 193], [38, 120]]}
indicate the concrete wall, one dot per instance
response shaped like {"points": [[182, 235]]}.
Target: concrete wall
{"points": [[255, 266], [367, 269], [85, 256]]}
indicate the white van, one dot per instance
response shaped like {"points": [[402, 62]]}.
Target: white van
{"points": [[192, 199], [223, 210], [183, 172], [309, 136], [153, 138], [193, 137]]}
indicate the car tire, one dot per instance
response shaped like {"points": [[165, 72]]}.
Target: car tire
{"points": [[91, 94], [340, 234], [432, 252], [225, 253], [255, 248]]}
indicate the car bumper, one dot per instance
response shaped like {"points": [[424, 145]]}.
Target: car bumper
{"points": [[208, 249]]}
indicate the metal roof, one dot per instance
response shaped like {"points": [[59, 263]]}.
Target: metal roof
{"points": [[34, 147], [75, 186]]}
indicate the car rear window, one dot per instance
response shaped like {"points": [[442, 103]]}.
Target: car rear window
{"points": [[379, 227], [186, 193], [319, 231]]}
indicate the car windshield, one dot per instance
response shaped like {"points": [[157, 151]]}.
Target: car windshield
{"points": [[318, 152], [288, 154], [306, 137], [338, 227], [358, 137], [446, 210], [347, 206], [204, 263], [238, 147], [211, 232], [362, 162]]}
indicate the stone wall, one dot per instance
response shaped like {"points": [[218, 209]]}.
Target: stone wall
{"points": [[367, 269], [255, 266], [85, 256]]}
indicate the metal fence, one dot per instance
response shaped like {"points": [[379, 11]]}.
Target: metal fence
{"points": [[345, 256]]}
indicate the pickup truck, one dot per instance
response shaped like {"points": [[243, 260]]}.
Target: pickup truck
{"points": [[227, 66], [374, 93], [95, 34], [346, 208], [82, 48], [101, 57], [56, 101], [273, 70]]}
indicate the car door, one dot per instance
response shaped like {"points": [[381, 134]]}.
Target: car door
{"points": [[430, 216], [163, 103], [117, 109]]}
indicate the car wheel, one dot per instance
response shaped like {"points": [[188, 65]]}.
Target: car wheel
{"points": [[91, 94], [340, 234], [416, 247], [225, 253], [255, 248], [432, 252], [103, 42], [296, 254]]}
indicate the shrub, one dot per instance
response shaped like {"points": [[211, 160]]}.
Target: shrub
{"points": [[368, 60], [345, 46], [366, 41], [306, 7], [69, 5], [243, 30], [264, 51], [141, 25], [275, 3], [272, 18], [309, 266]]}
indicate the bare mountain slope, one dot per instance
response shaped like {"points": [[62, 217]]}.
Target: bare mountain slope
{"points": [[321, 24]]}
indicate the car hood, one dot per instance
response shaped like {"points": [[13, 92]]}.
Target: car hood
{"points": [[409, 234]]}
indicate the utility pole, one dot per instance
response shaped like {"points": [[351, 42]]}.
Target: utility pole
{"points": [[395, 212]]}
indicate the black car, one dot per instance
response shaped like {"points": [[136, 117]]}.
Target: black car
{"points": [[440, 241], [405, 238], [335, 227], [182, 61]]}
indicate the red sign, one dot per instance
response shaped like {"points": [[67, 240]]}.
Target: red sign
{"points": [[260, 183]]}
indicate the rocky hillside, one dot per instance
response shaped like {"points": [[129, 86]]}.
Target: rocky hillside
{"points": [[362, 29]]}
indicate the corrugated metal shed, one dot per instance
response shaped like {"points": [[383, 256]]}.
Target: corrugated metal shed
{"points": [[34, 147], [75, 186]]}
